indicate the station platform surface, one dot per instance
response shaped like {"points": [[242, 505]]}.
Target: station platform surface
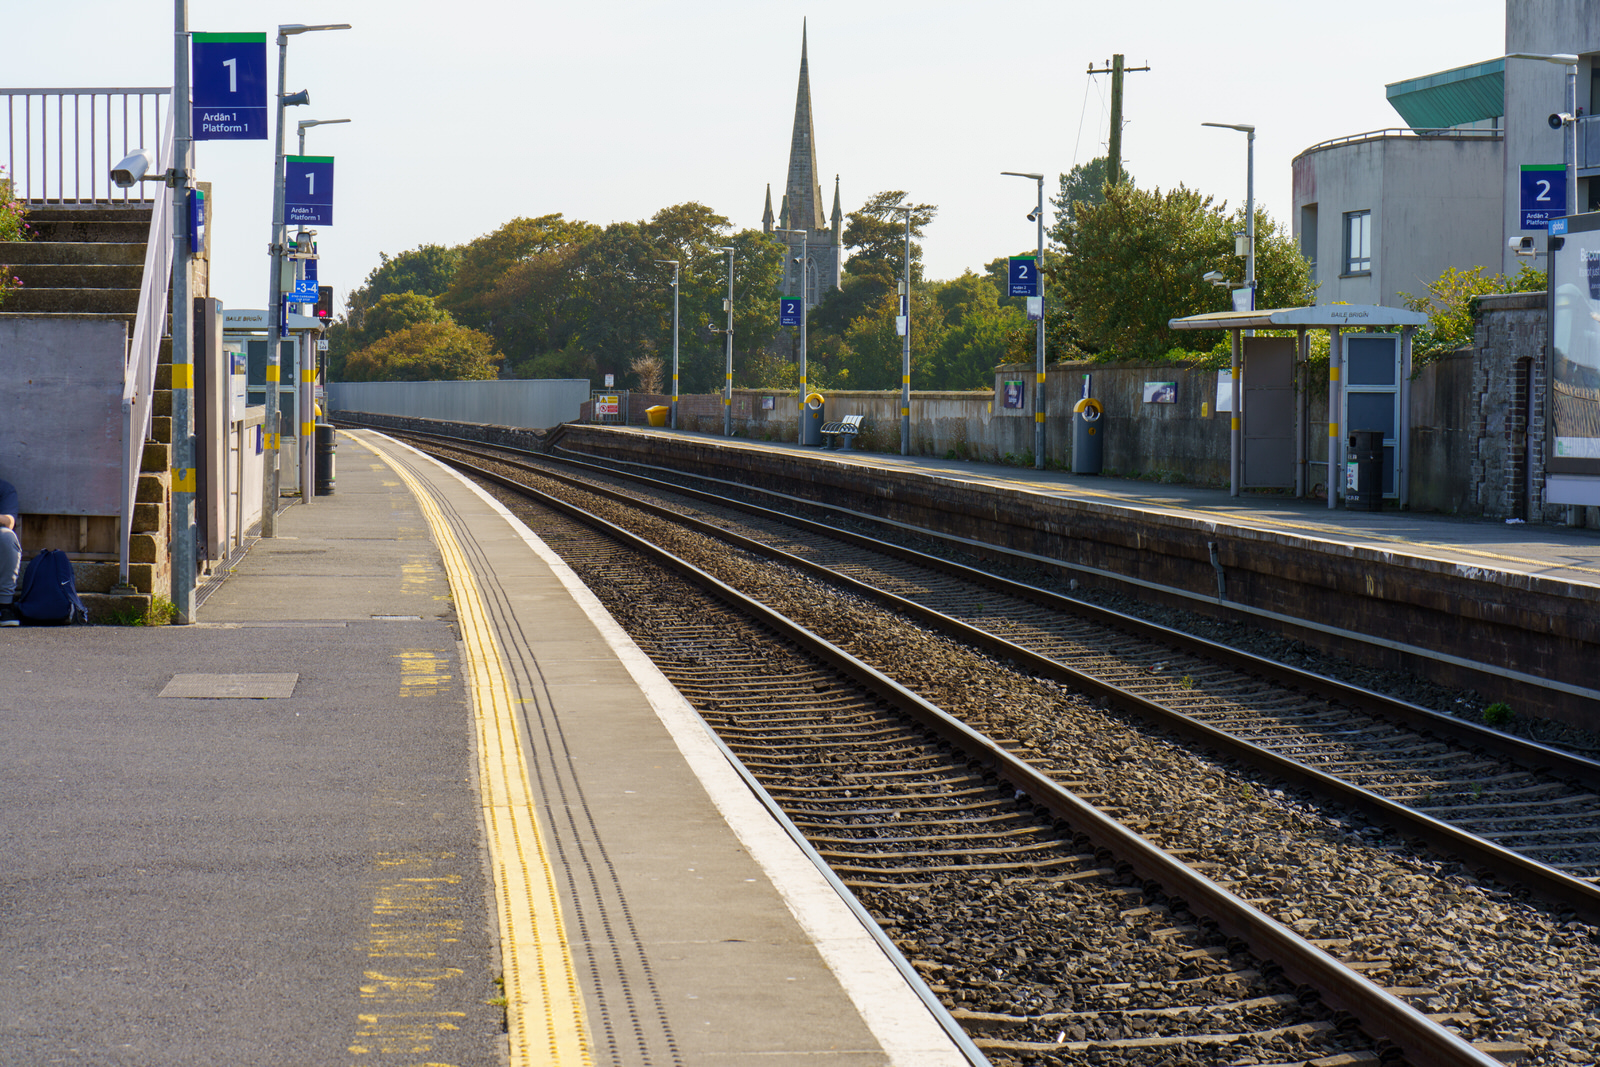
{"points": [[1557, 552], [402, 757]]}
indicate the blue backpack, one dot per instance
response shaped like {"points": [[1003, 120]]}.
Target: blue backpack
{"points": [[48, 596]]}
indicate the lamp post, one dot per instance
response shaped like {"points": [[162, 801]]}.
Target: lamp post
{"points": [[1236, 425], [727, 374], [308, 358], [805, 280], [1568, 119], [1037, 216], [184, 481], [905, 339], [275, 308], [674, 419]]}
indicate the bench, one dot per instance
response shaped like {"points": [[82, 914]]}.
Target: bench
{"points": [[837, 434]]}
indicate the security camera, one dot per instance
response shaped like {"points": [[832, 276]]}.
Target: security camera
{"points": [[1215, 277], [1558, 120], [1522, 246], [131, 171]]}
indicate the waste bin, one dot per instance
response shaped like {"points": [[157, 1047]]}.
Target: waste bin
{"points": [[1363, 480], [657, 415], [1088, 451], [811, 420], [325, 448]]}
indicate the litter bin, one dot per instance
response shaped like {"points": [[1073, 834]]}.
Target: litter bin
{"points": [[1363, 479], [657, 415], [1088, 443], [325, 448], [811, 420]]}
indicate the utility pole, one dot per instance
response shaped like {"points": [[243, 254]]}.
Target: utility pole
{"points": [[1114, 149]]}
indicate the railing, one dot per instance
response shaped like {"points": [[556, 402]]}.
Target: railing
{"points": [[150, 325], [1445, 133], [61, 144], [1588, 142]]}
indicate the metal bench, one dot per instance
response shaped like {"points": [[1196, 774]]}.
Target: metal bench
{"points": [[837, 435]]}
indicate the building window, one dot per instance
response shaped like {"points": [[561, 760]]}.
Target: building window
{"points": [[1358, 242], [1308, 236]]}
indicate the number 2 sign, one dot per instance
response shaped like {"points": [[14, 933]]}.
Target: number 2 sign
{"points": [[1024, 275], [229, 90], [1544, 194], [308, 190]]}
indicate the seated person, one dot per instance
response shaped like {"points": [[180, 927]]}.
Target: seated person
{"points": [[10, 553]]}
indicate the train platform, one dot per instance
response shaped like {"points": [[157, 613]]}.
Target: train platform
{"points": [[1561, 553], [403, 794]]}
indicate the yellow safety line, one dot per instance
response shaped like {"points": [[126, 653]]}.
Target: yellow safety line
{"points": [[544, 1010]]}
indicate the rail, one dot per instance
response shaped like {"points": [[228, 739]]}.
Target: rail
{"points": [[61, 143], [144, 349]]}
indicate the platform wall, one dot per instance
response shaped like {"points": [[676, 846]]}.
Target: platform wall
{"points": [[536, 403]]}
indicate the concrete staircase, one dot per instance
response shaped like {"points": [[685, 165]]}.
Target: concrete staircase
{"points": [[87, 261]]}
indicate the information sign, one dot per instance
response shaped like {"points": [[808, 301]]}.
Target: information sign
{"points": [[789, 311], [1024, 275], [1544, 194], [228, 84], [305, 291], [308, 191]]}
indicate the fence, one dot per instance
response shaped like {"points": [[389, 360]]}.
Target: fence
{"points": [[539, 404], [61, 144]]}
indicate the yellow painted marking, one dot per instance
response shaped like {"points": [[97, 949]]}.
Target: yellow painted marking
{"points": [[183, 480], [1038, 416], [1235, 423], [307, 429], [272, 372], [1333, 429], [905, 411], [544, 1008], [1040, 378], [905, 379], [1333, 372], [183, 375]]}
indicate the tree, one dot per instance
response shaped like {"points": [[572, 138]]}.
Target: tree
{"points": [[425, 270], [426, 352], [486, 260], [1449, 302], [875, 235], [1085, 184], [1136, 260]]}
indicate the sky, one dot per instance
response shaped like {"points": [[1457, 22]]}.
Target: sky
{"points": [[468, 113]]}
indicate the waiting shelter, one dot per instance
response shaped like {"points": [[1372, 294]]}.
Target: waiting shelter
{"points": [[1369, 388]]}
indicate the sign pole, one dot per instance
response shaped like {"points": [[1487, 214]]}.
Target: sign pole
{"points": [[183, 449]]}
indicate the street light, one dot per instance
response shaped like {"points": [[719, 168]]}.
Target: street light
{"points": [[805, 279], [905, 341], [1567, 118], [1249, 204], [304, 123], [275, 307], [1037, 216], [1236, 426], [727, 374], [308, 359], [674, 263]]}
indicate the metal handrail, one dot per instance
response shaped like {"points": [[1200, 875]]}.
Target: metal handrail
{"points": [[65, 153], [139, 376], [1442, 133]]}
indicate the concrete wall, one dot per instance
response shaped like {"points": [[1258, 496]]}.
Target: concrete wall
{"points": [[61, 413], [514, 402], [1434, 204], [1535, 89]]}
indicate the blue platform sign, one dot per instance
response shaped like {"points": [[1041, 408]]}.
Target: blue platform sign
{"points": [[308, 191], [305, 291], [1544, 194], [1024, 276], [228, 74], [789, 311]]}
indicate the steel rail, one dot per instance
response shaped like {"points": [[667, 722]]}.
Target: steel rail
{"points": [[1380, 1014], [1443, 838]]}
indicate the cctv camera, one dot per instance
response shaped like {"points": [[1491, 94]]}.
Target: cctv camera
{"points": [[1215, 277], [131, 171], [1522, 246], [1559, 119]]}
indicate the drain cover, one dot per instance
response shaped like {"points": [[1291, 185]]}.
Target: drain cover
{"points": [[231, 686]]}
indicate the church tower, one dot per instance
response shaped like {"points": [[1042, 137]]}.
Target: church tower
{"points": [[803, 207]]}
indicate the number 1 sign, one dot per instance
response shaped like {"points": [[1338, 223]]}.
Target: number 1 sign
{"points": [[308, 191], [229, 74]]}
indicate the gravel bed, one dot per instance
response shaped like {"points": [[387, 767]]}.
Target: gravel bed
{"points": [[1514, 971]]}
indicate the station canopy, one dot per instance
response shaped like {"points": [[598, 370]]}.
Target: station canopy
{"points": [[1325, 316]]}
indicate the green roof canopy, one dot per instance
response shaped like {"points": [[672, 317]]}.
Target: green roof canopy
{"points": [[1452, 97]]}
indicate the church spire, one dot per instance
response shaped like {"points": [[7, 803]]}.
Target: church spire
{"points": [[804, 191], [766, 216]]}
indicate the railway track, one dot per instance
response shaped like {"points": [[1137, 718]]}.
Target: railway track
{"points": [[1256, 857]]}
